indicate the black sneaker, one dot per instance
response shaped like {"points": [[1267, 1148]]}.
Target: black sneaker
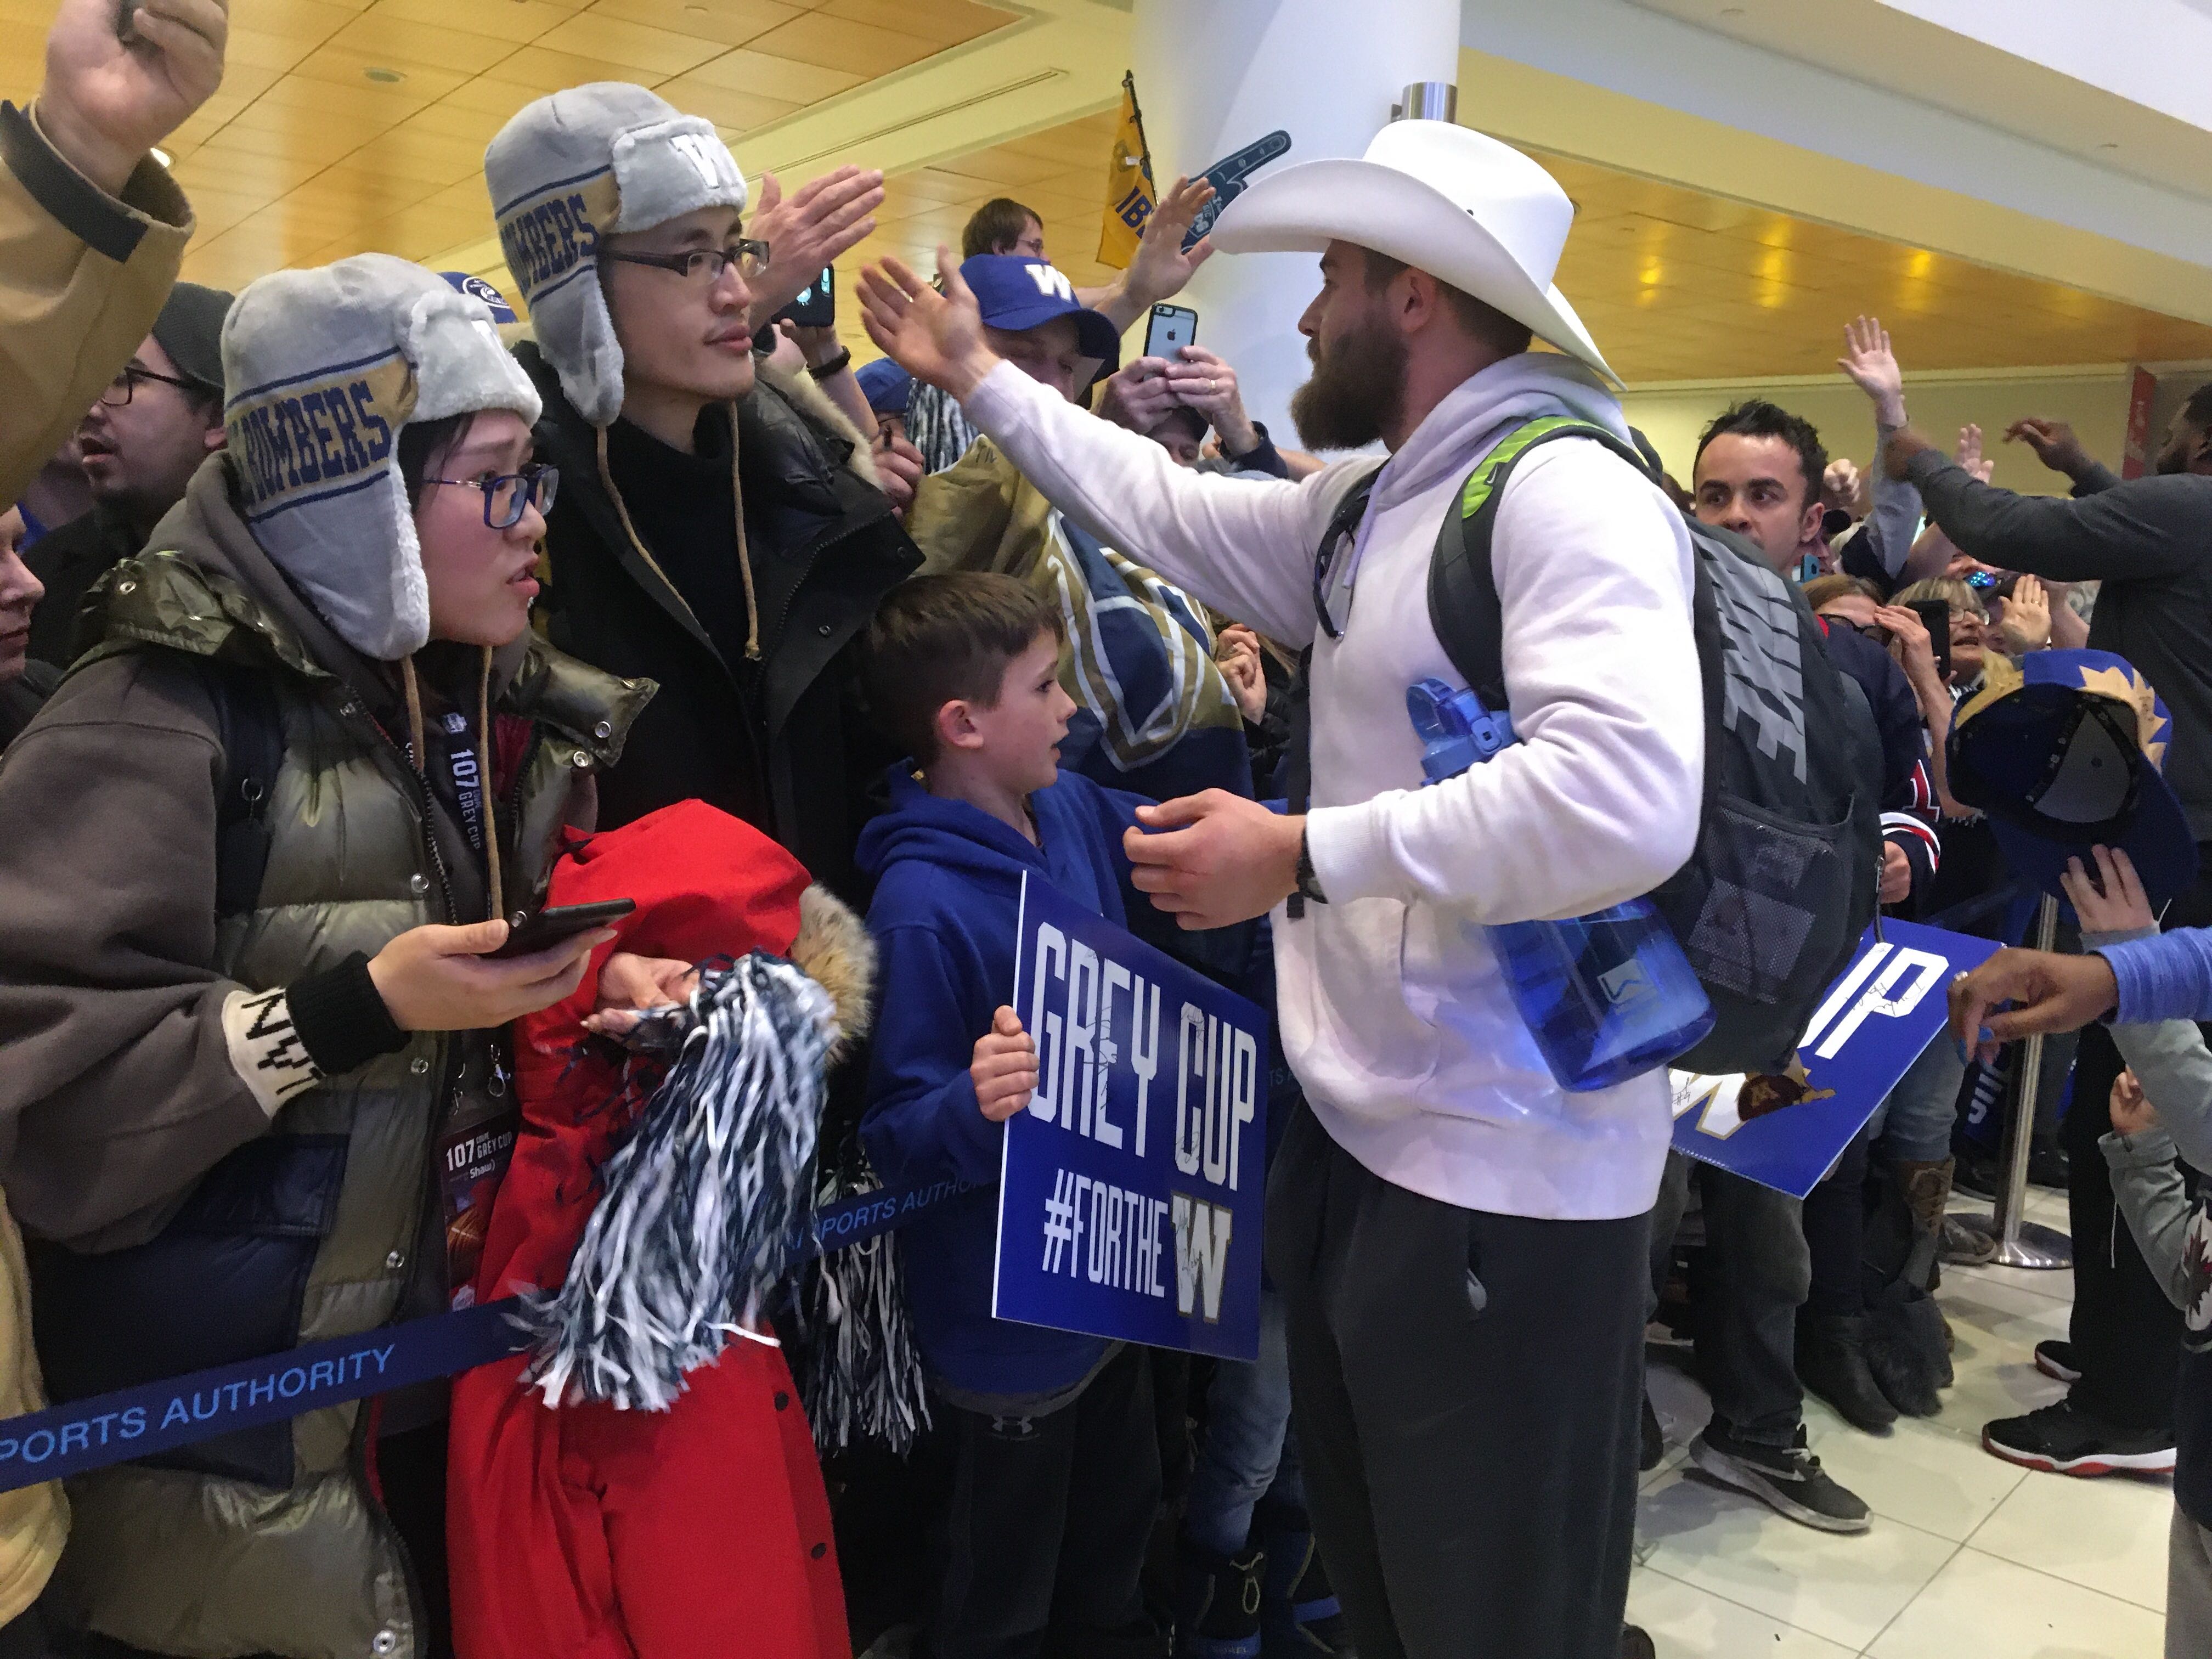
{"points": [[1962, 1246], [2048, 1165], [1789, 1479], [1654, 1451], [1300, 1617], [2056, 1358], [1975, 1174], [1217, 1603], [2061, 1440]]}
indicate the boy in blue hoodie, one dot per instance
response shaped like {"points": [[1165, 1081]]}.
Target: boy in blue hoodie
{"points": [[1056, 1472]]}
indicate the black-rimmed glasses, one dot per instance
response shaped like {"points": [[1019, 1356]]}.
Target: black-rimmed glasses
{"points": [[704, 266], [119, 390], [507, 494]]}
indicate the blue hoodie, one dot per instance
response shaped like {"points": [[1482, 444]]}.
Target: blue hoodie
{"points": [[947, 906]]}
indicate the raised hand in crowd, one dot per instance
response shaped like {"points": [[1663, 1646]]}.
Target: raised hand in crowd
{"points": [[824, 217], [435, 978], [1873, 367], [1843, 488], [1969, 454], [1159, 269], [2025, 624], [118, 84], [2131, 1108], [935, 335], [1237, 651], [1005, 1067], [2054, 444], [2111, 900], [1208, 384]]}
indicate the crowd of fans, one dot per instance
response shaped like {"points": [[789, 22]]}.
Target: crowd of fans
{"points": [[334, 613]]}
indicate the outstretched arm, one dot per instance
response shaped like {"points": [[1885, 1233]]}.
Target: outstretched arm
{"points": [[1243, 545]]}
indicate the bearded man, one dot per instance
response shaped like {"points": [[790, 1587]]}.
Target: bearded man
{"points": [[1460, 1244]]}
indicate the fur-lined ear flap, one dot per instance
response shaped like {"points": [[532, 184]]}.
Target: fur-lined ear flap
{"points": [[833, 949]]}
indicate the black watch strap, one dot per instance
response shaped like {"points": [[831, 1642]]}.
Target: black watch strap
{"points": [[836, 365], [1308, 883]]}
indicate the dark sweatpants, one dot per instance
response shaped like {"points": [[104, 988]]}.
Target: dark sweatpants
{"points": [[1046, 1523], [1466, 1388], [2126, 1335]]}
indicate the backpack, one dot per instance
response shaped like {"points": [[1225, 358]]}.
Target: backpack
{"points": [[1781, 883], [250, 729]]}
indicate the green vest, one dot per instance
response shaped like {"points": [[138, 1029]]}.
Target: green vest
{"points": [[190, 1563]]}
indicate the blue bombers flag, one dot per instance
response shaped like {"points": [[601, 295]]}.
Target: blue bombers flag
{"points": [[1130, 1187], [1887, 1007]]}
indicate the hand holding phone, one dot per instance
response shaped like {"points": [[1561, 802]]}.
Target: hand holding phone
{"points": [[531, 930], [1935, 615], [1172, 327]]}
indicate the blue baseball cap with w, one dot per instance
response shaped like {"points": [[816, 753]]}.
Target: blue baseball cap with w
{"points": [[1017, 293]]}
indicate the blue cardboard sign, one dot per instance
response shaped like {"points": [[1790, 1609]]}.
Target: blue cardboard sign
{"points": [[1886, 1006], [1131, 1186]]}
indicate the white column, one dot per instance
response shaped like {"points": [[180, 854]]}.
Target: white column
{"points": [[1214, 75]]}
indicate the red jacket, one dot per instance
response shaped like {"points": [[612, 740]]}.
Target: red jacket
{"points": [[585, 1532]]}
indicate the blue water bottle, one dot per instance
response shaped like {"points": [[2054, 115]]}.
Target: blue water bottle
{"points": [[1607, 996]]}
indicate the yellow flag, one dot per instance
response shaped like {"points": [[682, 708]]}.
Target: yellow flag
{"points": [[1129, 191]]}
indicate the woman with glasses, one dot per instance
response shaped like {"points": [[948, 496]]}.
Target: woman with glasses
{"points": [[720, 528], [257, 851]]}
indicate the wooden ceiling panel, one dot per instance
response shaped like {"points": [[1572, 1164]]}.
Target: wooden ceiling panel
{"points": [[513, 22], [732, 22], [615, 43], [740, 111], [859, 48], [409, 43], [769, 76]]}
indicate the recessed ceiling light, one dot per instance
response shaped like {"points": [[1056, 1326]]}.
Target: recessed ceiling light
{"points": [[2108, 144], [1731, 11], [160, 156], [382, 76]]}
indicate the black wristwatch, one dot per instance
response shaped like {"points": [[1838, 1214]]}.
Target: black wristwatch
{"points": [[1308, 883], [836, 365]]}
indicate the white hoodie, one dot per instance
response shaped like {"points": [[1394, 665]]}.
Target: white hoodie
{"points": [[1394, 1012]]}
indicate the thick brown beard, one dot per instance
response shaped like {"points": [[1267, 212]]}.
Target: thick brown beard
{"points": [[1358, 387]]}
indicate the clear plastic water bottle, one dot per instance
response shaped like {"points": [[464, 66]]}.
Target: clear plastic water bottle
{"points": [[1607, 996]]}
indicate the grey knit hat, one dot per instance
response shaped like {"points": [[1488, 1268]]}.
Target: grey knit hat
{"points": [[326, 368], [579, 165]]}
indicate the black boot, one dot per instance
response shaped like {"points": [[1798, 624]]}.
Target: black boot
{"points": [[1653, 1452], [1217, 1603], [1831, 1362], [1301, 1617]]}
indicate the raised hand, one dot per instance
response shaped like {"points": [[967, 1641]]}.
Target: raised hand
{"points": [[2053, 442], [2026, 624], [1872, 366], [824, 217], [114, 90], [936, 337], [1968, 454], [1159, 269], [2113, 901], [1004, 1067]]}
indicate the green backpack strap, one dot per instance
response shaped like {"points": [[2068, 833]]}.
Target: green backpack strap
{"points": [[1464, 606]]}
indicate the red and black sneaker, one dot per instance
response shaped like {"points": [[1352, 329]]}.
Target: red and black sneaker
{"points": [[2061, 1440]]}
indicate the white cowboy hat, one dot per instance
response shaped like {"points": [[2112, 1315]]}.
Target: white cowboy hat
{"points": [[1467, 209]]}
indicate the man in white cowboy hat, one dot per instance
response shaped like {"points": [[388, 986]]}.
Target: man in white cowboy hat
{"points": [[1460, 1244]]}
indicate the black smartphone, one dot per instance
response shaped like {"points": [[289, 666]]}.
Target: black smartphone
{"points": [[1172, 327], [817, 303], [1935, 618], [531, 930]]}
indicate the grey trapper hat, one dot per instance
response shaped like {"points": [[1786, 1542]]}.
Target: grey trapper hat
{"points": [[588, 162], [326, 368]]}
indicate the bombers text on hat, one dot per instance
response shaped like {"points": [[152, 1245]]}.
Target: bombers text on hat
{"points": [[584, 164], [325, 367]]}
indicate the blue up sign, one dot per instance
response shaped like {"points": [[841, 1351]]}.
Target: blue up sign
{"points": [[1888, 1006], [1131, 1186]]}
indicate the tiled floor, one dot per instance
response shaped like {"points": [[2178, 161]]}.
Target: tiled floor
{"points": [[1969, 1556]]}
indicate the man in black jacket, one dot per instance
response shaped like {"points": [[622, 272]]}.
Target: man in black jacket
{"points": [[2146, 540], [717, 531]]}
